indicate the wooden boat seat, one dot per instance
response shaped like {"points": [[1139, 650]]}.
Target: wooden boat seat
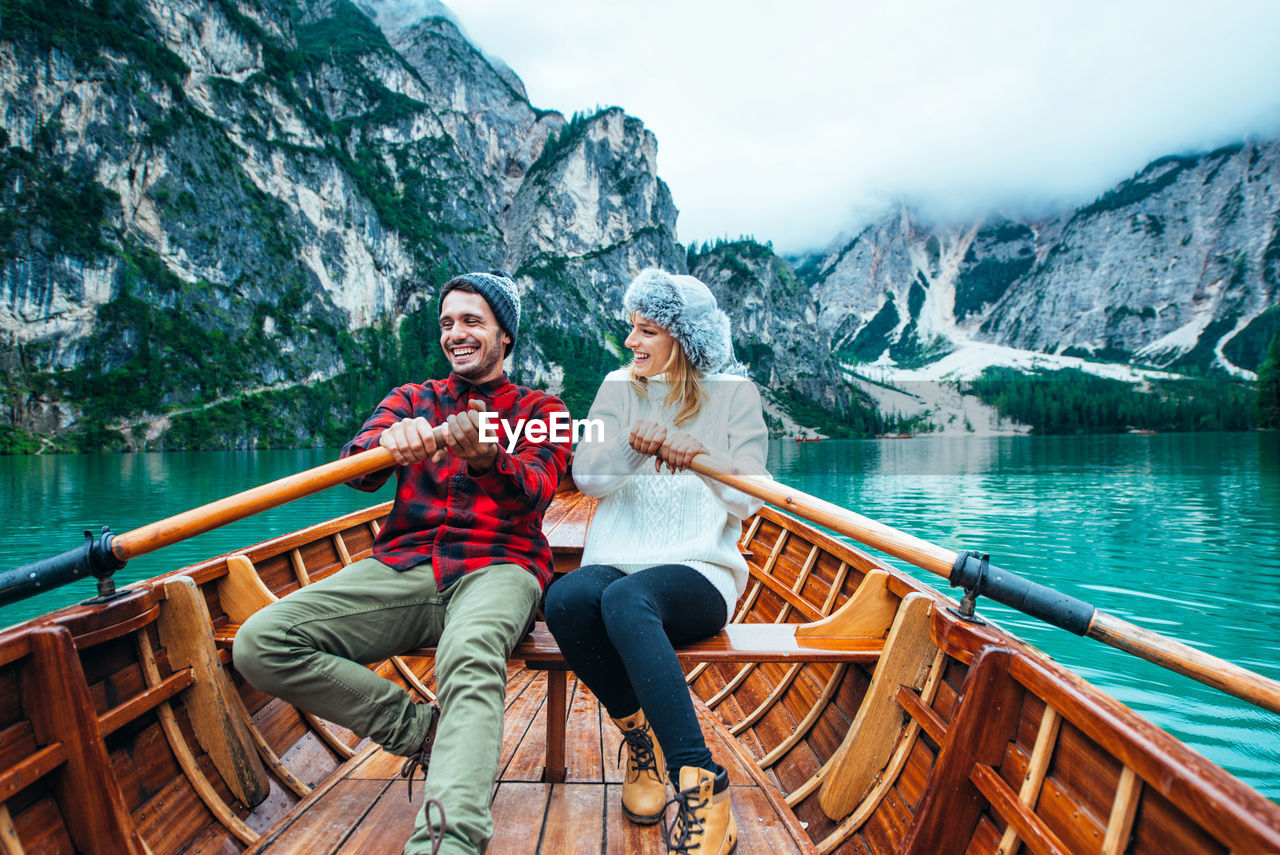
{"points": [[853, 633], [740, 642], [735, 643]]}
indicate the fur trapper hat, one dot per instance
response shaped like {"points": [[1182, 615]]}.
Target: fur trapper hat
{"points": [[687, 309]]}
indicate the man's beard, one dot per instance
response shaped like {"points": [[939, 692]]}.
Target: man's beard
{"points": [[479, 368]]}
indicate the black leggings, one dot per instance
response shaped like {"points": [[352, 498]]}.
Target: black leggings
{"points": [[617, 631]]}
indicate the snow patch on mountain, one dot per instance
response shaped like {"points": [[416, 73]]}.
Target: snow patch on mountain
{"points": [[971, 358]]}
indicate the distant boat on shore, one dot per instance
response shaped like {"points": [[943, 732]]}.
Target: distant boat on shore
{"points": [[895, 436], [809, 439]]}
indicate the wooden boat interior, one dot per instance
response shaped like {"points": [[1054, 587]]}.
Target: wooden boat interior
{"points": [[124, 728]]}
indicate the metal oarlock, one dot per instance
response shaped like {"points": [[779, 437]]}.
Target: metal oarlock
{"points": [[103, 565], [966, 609], [974, 573], [90, 558]]}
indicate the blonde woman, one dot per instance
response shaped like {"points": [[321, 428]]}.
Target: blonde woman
{"points": [[661, 564]]}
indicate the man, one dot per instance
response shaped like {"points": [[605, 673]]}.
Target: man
{"points": [[460, 563]]}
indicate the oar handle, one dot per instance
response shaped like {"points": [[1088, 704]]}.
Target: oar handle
{"points": [[187, 524], [1008, 588]]}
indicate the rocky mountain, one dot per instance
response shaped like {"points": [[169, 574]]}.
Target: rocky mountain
{"points": [[1172, 274], [223, 223], [1177, 268]]}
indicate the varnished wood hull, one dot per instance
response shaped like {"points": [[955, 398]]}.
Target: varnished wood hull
{"points": [[958, 739]]}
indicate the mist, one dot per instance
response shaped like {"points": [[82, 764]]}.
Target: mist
{"points": [[793, 126]]}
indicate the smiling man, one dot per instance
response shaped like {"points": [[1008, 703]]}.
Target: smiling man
{"points": [[460, 563]]}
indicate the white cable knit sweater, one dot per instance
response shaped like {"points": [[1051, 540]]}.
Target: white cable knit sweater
{"points": [[644, 518]]}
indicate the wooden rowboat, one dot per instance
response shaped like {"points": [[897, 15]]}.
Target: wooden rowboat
{"points": [[889, 724]]}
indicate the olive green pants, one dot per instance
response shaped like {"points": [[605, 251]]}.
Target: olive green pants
{"points": [[310, 648]]}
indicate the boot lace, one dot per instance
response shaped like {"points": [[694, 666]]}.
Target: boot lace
{"points": [[421, 759], [685, 832], [437, 837], [640, 743]]}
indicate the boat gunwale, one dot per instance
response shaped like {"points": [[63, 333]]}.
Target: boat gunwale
{"points": [[1125, 734]]}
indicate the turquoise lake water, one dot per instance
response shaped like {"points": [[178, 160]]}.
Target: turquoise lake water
{"points": [[1177, 533]]}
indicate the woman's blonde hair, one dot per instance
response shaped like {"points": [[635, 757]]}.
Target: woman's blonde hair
{"points": [[685, 389]]}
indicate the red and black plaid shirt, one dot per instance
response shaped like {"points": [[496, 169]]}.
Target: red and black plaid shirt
{"points": [[458, 521]]}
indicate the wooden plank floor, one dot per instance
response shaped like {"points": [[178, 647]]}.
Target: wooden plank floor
{"points": [[365, 808]]}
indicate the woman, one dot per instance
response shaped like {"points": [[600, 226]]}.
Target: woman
{"points": [[661, 564]]}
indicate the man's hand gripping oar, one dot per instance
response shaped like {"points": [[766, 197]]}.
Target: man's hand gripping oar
{"points": [[414, 440]]}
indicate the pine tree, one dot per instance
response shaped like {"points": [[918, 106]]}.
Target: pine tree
{"points": [[1269, 387]]}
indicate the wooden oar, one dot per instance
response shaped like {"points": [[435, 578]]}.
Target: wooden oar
{"points": [[166, 532], [1081, 618], [108, 553]]}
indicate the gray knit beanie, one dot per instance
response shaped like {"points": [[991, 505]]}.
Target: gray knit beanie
{"points": [[499, 291], [688, 310]]}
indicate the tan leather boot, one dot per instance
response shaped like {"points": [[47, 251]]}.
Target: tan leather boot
{"points": [[644, 788], [704, 820]]}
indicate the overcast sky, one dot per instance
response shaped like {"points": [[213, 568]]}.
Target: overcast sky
{"points": [[797, 122]]}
